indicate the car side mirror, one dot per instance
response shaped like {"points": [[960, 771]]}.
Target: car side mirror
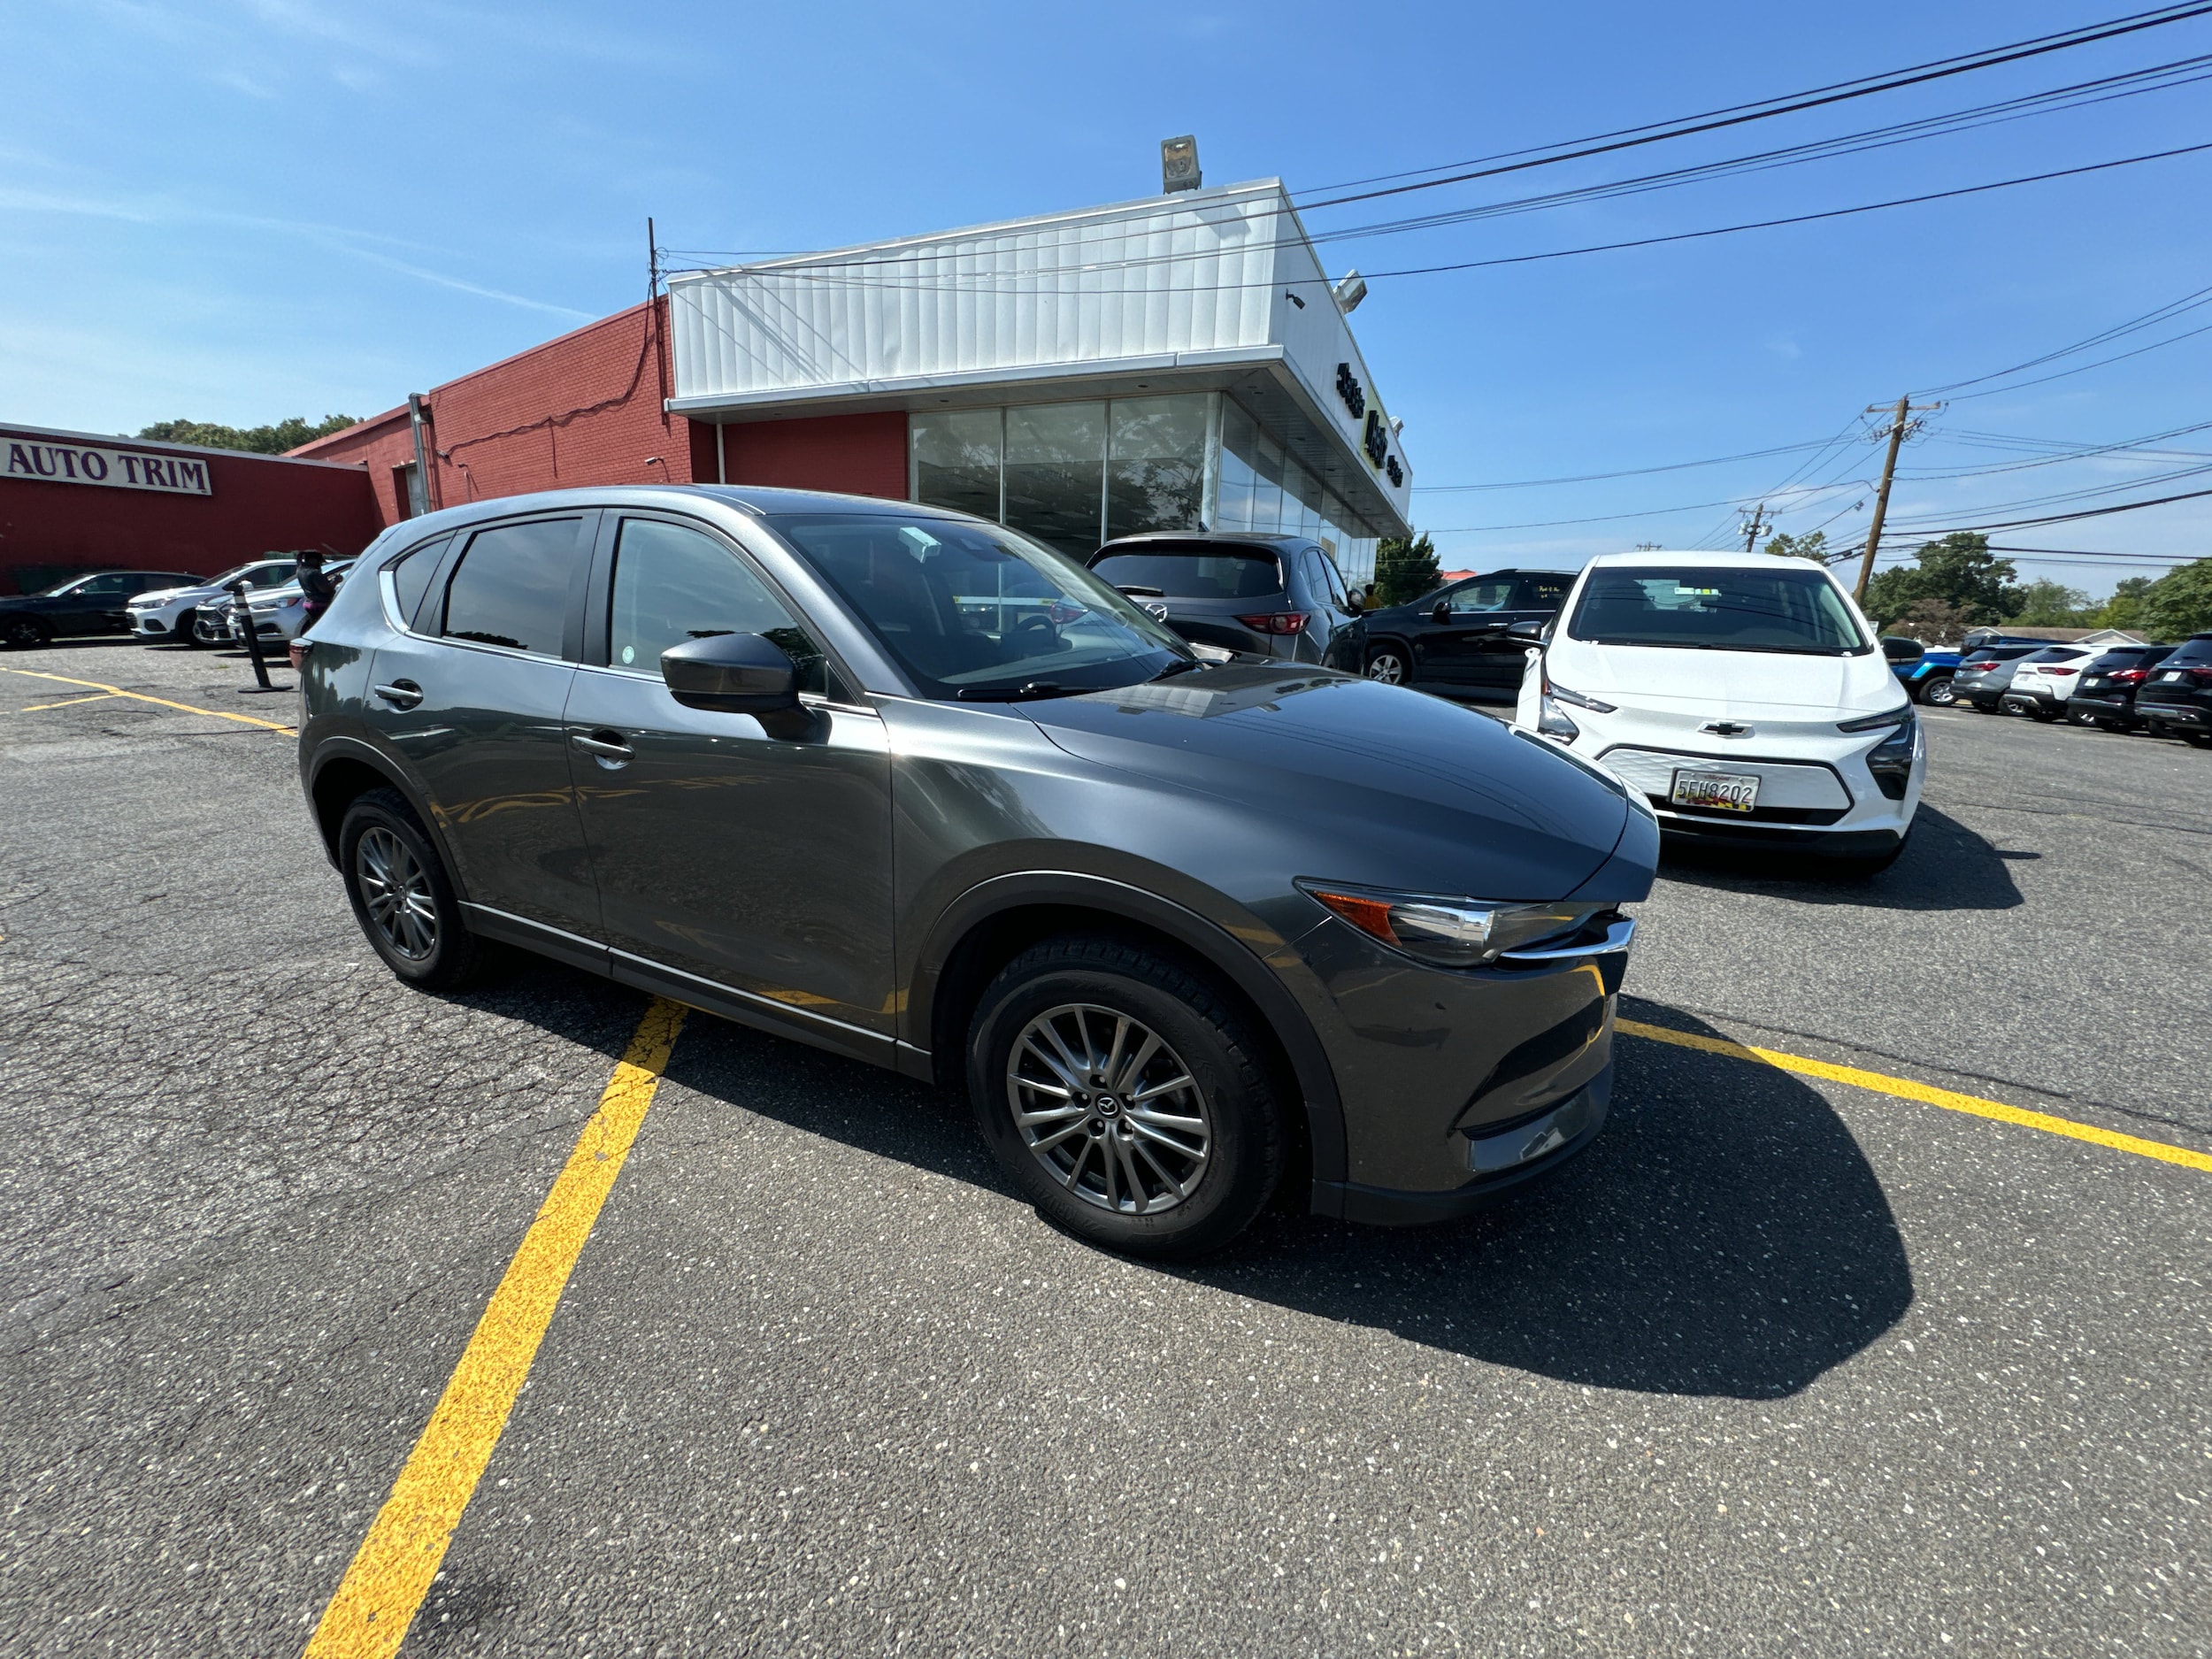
{"points": [[731, 673], [1443, 612], [1902, 651]]}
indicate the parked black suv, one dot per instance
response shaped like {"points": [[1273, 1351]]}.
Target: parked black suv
{"points": [[83, 605], [2178, 696], [2105, 695], [1456, 640], [902, 784], [1269, 595]]}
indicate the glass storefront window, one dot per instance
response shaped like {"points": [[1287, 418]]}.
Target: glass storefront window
{"points": [[1267, 484], [957, 459], [1155, 473], [1239, 443], [1055, 474]]}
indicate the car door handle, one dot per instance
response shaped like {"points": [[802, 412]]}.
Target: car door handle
{"points": [[606, 748], [403, 694]]}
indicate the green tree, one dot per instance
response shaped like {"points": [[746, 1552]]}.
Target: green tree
{"points": [[1785, 546], [1405, 568], [2044, 603], [1959, 569], [2180, 603], [2124, 608], [1933, 622], [288, 433]]}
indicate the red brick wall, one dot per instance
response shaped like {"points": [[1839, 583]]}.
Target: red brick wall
{"points": [[258, 504], [862, 455], [583, 409], [587, 409]]}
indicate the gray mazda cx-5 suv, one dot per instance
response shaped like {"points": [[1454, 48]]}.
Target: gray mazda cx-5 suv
{"points": [[905, 785]]}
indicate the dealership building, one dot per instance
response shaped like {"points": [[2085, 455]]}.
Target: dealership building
{"points": [[1179, 362]]}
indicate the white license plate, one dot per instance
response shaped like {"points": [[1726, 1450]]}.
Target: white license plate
{"points": [[1715, 791]]}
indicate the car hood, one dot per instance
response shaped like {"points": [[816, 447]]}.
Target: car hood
{"points": [[1725, 684], [1389, 788]]}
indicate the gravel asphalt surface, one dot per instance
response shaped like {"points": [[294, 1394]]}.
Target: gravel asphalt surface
{"points": [[1778, 1367]]}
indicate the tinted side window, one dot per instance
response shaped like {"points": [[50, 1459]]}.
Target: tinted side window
{"points": [[512, 586], [1539, 594], [673, 584], [411, 575], [1470, 597], [1337, 590], [100, 587]]}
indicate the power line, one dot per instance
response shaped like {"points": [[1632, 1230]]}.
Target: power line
{"points": [[1764, 108], [1633, 472], [1556, 253], [2148, 319]]}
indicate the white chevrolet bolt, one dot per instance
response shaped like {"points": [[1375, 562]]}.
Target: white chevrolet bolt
{"points": [[1744, 695]]}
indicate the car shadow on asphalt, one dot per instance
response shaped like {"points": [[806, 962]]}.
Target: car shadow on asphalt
{"points": [[1945, 866], [1724, 1235]]}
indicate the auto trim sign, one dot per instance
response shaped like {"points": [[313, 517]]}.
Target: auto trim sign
{"points": [[117, 469]]}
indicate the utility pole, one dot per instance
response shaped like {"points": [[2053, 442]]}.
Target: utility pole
{"points": [[1901, 422], [1751, 530]]}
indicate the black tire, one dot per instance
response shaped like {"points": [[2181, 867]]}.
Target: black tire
{"points": [[1205, 1036], [1937, 692], [381, 818], [1390, 664], [24, 633], [2195, 739], [183, 634]]}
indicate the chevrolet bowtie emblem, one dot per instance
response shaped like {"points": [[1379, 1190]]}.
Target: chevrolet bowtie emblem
{"points": [[1726, 729]]}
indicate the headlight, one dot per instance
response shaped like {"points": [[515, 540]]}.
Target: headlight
{"points": [[1445, 931], [1891, 759], [1554, 721]]}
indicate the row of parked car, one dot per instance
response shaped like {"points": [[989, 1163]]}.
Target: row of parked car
{"points": [[2164, 689], [166, 607]]}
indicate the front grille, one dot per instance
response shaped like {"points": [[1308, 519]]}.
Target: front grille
{"points": [[1816, 815]]}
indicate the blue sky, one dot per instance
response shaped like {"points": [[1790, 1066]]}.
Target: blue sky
{"points": [[239, 211]]}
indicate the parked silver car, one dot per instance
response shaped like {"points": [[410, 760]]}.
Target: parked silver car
{"points": [[279, 614]]}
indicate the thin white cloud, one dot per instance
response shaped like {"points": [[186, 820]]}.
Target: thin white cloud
{"points": [[461, 285]]}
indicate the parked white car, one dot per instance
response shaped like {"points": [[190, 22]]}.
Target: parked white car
{"points": [[168, 614], [1744, 695], [2044, 681]]}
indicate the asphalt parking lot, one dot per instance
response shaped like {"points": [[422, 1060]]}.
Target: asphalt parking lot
{"points": [[1783, 1365]]}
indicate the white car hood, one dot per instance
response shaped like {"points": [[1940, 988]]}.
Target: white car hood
{"points": [[1728, 685]]}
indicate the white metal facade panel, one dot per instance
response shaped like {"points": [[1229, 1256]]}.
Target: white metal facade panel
{"points": [[1191, 273], [1198, 278]]}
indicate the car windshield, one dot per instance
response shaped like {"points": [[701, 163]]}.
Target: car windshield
{"points": [[971, 610], [1194, 571], [1718, 608]]}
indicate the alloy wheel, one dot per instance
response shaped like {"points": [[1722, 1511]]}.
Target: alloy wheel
{"points": [[1941, 693], [1388, 667], [395, 891], [1108, 1109], [24, 633]]}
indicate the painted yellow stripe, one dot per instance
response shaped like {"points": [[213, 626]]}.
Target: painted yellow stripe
{"points": [[392, 1570], [68, 703], [1905, 1088], [139, 697]]}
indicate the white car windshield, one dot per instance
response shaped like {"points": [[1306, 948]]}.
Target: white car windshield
{"points": [[1718, 608], [975, 611]]}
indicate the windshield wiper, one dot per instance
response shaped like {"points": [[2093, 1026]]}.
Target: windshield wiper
{"points": [[1181, 667], [1016, 694]]}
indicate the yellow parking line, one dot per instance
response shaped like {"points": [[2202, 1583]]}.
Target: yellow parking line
{"points": [[1905, 1088], [68, 703], [139, 697], [392, 1570]]}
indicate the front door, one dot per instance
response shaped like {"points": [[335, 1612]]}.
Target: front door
{"points": [[1458, 648], [473, 702], [754, 856]]}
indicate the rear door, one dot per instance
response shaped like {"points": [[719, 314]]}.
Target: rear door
{"points": [[754, 855], [472, 702]]}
